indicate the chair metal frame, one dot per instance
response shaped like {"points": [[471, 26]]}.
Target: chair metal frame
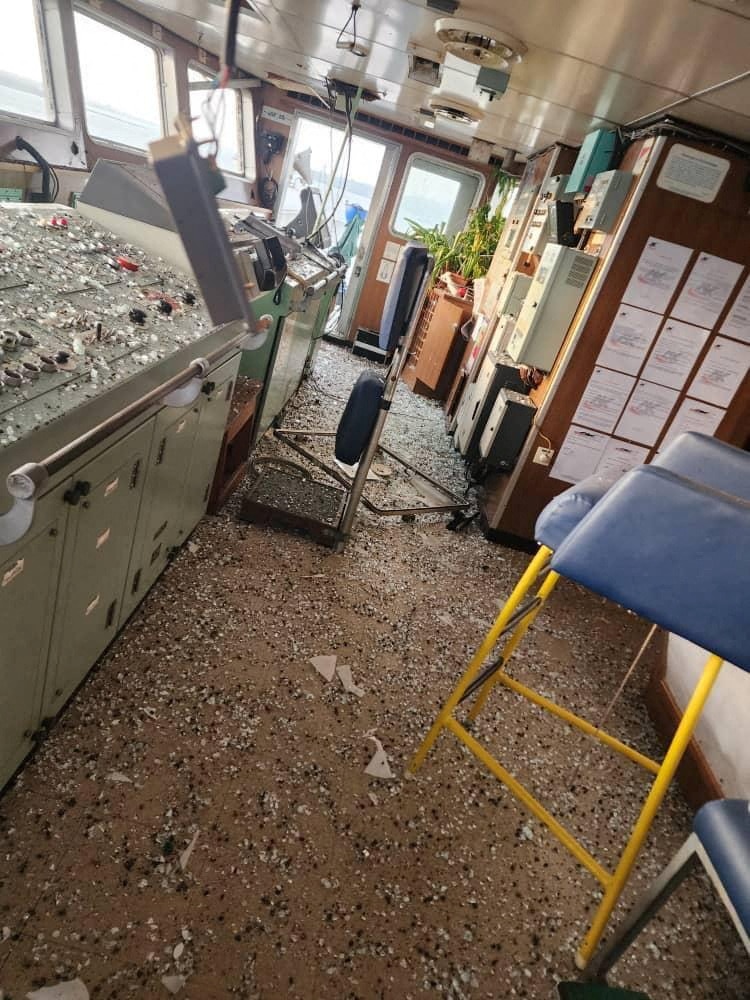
{"points": [[647, 905], [514, 620]]}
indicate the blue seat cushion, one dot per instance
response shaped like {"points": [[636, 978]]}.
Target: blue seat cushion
{"points": [[359, 417], [706, 460], [723, 828], [673, 551], [563, 513], [401, 300]]}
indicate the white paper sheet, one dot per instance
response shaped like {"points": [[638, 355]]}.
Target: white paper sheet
{"points": [[721, 372], [603, 399], [657, 275], [737, 323], [647, 412], [629, 339], [707, 290], [579, 454], [675, 352], [693, 416], [619, 456]]}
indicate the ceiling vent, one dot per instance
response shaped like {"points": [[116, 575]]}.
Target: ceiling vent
{"points": [[478, 43], [424, 69], [455, 111]]}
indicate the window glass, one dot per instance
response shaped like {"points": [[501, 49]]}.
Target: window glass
{"points": [[23, 88], [222, 108], [120, 77], [435, 195]]}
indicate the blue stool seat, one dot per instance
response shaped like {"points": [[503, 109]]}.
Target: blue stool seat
{"points": [[673, 551], [723, 828], [706, 460], [564, 513]]}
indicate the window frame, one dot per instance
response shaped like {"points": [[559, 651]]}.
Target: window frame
{"points": [[239, 117], [47, 78], [446, 165], [150, 42]]}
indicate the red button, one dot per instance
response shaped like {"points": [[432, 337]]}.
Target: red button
{"points": [[129, 265]]}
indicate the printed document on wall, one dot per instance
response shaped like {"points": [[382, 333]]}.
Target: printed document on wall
{"points": [[737, 323], [603, 399], [675, 352], [629, 339], [618, 457], [707, 290], [657, 275], [647, 412], [721, 372], [579, 455], [693, 416]]}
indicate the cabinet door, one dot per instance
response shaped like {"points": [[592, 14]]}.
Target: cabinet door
{"points": [[160, 523], [98, 545], [212, 422], [28, 586], [441, 334]]}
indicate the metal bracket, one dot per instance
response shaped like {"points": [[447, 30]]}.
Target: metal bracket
{"points": [[23, 485], [189, 392]]}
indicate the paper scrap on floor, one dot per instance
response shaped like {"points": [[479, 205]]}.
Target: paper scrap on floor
{"points": [[325, 665], [345, 674], [75, 989], [379, 766]]}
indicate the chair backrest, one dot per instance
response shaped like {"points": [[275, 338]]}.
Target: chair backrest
{"points": [[401, 300], [706, 460]]}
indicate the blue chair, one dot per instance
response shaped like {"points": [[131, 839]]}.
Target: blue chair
{"points": [[720, 841], [656, 542]]}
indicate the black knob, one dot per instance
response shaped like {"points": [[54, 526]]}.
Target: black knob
{"points": [[208, 388], [189, 299], [62, 357], [73, 497], [164, 307], [83, 487], [137, 316]]}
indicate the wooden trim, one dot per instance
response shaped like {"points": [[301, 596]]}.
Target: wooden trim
{"points": [[698, 782]]}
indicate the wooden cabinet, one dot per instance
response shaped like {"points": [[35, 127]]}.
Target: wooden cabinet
{"points": [[438, 346]]}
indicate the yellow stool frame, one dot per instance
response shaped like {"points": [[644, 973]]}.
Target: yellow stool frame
{"points": [[515, 618]]}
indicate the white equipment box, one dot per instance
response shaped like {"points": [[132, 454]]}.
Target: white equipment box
{"points": [[549, 307], [601, 208]]}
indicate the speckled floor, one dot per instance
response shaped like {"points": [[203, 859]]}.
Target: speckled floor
{"points": [[205, 726]]}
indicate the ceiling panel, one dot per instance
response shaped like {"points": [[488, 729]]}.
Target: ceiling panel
{"points": [[589, 61]]}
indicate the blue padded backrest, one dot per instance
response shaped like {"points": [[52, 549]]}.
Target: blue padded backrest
{"points": [[708, 461], [401, 299], [563, 513], [673, 551], [723, 827]]}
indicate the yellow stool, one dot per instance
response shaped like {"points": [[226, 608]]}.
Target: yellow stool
{"points": [[603, 553]]}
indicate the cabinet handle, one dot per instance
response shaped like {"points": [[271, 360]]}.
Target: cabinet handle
{"points": [[110, 615]]}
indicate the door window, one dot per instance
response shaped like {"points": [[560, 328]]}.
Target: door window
{"points": [[434, 194]]}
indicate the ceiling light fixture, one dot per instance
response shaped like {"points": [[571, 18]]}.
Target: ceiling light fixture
{"points": [[479, 43]]}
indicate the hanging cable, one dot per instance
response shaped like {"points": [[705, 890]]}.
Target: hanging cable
{"points": [[349, 137], [229, 48]]}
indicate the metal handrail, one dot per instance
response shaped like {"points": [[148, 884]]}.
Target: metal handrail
{"points": [[25, 481]]}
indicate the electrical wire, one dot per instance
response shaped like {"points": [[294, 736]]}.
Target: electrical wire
{"points": [[349, 137], [229, 47], [352, 19]]}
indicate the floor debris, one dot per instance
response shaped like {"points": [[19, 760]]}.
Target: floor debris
{"points": [[72, 990], [325, 665], [379, 766], [188, 852], [206, 701], [345, 675]]}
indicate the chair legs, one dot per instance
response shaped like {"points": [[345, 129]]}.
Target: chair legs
{"points": [[516, 618], [645, 908], [659, 788], [524, 585]]}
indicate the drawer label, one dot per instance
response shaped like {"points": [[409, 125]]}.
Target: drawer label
{"points": [[16, 570], [111, 487], [93, 605], [104, 537]]}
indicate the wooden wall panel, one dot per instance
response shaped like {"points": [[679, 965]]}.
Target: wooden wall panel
{"points": [[721, 228]]}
